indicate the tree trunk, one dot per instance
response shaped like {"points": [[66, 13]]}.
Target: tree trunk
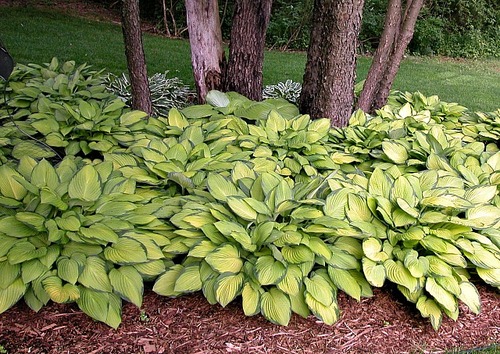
{"points": [[329, 78], [136, 61], [246, 49], [205, 38], [397, 34]]}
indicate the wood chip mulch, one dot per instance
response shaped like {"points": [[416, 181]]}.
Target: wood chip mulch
{"points": [[385, 323]]}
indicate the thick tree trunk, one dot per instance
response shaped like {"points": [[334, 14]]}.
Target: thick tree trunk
{"points": [[328, 85], [397, 34], [246, 49], [136, 61], [205, 38]]}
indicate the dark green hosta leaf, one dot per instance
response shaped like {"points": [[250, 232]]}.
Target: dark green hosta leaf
{"points": [[12, 294], [101, 306], [275, 306], [227, 287]]}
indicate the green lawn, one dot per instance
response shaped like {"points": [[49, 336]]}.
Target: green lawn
{"points": [[36, 36]]}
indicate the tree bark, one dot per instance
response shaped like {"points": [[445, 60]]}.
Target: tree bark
{"points": [[136, 60], [205, 38], [397, 34], [329, 78], [246, 49]]}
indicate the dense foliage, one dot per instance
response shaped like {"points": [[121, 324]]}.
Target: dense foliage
{"points": [[240, 198]]}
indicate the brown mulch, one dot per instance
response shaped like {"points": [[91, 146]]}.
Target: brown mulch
{"points": [[384, 323]]}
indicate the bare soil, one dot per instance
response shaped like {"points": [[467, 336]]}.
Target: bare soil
{"points": [[385, 323]]}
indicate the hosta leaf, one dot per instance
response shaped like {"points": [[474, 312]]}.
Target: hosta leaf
{"points": [[483, 216], [68, 269], [379, 183], [443, 297], [58, 292], [343, 260], [189, 280], [101, 306], [127, 282], [374, 273], [31, 270], [297, 254], [403, 189], [345, 282], [276, 307], [429, 308], [481, 194], [292, 281], [241, 208], [202, 249], [99, 232], [44, 175], [418, 266], [221, 188], [165, 283], [320, 289], [225, 259], [10, 272], [328, 314], [237, 232], [372, 249], [10, 226], [130, 118], [357, 209], [9, 187], [94, 275], [268, 270], [397, 273], [395, 151], [69, 223], [85, 185], [12, 294], [490, 276], [227, 287], [250, 296], [150, 269], [24, 251], [319, 247], [126, 251]]}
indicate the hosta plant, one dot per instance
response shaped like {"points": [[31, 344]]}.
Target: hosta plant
{"points": [[77, 232]]}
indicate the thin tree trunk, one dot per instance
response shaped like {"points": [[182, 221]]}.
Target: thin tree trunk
{"points": [[381, 56], [328, 85], [397, 34], [205, 38], [246, 49], [136, 61], [405, 35], [165, 22]]}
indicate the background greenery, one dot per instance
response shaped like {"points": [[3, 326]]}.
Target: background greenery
{"points": [[35, 36]]}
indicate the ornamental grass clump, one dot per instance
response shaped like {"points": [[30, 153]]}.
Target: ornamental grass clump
{"points": [[236, 198]]}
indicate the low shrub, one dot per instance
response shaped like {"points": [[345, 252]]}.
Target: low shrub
{"points": [[240, 198]]}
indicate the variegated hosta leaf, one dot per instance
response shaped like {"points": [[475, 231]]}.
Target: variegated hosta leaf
{"points": [[490, 276], [430, 309], [11, 294], [250, 296], [292, 281], [345, 282], [85, 185], [165, 283], [470, 296], [275, 306], [94, 275], [58, 292], [397, 273], [297, 254], [374, 272], [126, 251], [221, 188], [225, 259], [268, 270], [320, 289], [443, 297], [227, 287], [328, 314], [395, 151]]}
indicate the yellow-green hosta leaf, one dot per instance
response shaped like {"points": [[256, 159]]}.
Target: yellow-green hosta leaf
{"points": [[490, 276], [379, 183], [483, 258], [11, 294], [342, 260], [470, 296], [397, 273], [9, 186], [430, 309], [101, 306], [68, 223], [10, 272], [130, 118], [306, 212], [85, 185], [336, 203], [443, 297], [483, 216], [449, 284], [297, 254], [241, 208], [221, 188], [225, 259], [10, 226], [262, 232], [396, 152], [202, 249], [292, 281], [233, 230], [401, 218], [357, 209], [189, 280], [24, 251], [31, 270], [44, 175], [58, 292], [418, 266], [275, 306], [68, 269], [99, 232], [445, 201], [328, 314], [268, 270], [127, 282], [374, 273], [165, 283], [345, 282], [453, 259], [126, 251], [227, 287], [94, 275], [177, 119], [150, 269], [372, 249], [320, 289], [319, 247], [480, 194], [250, 296], [437, 267]]}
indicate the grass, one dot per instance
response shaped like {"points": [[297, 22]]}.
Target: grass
{"points": [[35, 36]]}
